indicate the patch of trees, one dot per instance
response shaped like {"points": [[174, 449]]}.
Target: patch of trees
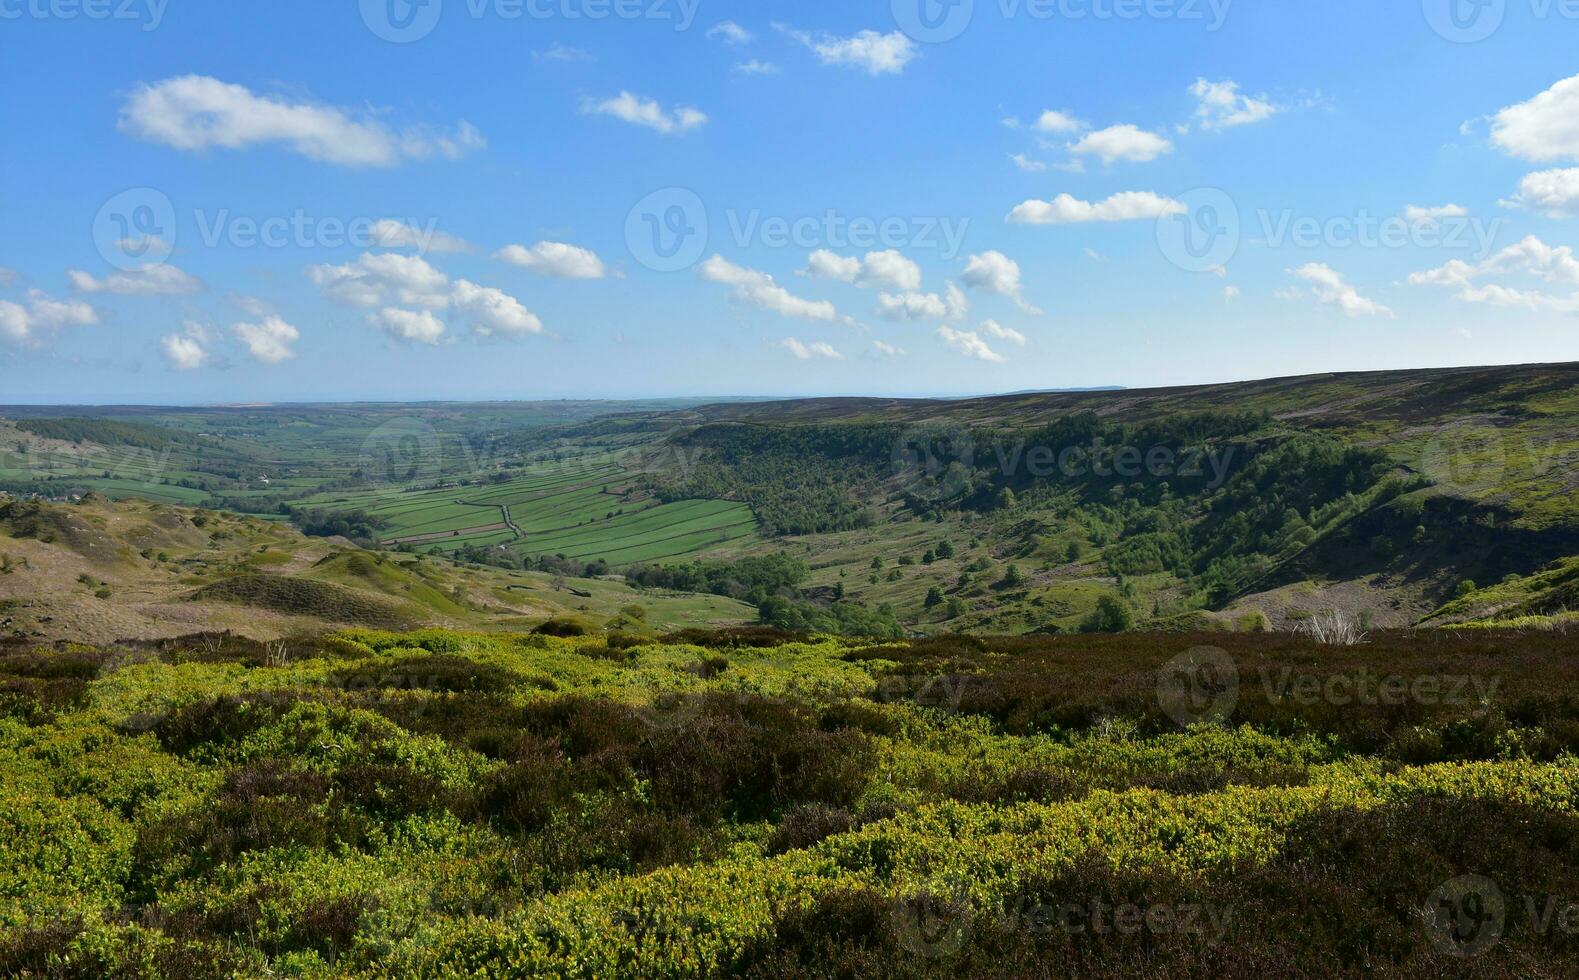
{"points": [[796, 479], [751, 580], [842, 618], [106, 433], [357, 525]]}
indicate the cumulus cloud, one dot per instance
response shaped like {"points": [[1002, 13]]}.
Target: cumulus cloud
{"points": [[555, 259], [1554, 193], [887, 350], [1543, 129], [758, 289], [808, 351], [730, 33], [877, 54], [1026, 164], [1128, 143], [882, 270], [404, 287], [494, 312], [1331, 289], [1530, 257], [188, 350], [923, 306], [1220, 105], [195, 113], [993, 328], [994, 272], [1417, 215], [970, 344], [22, 325], [270, 340], [1058, 121], [647, 112], [1126, 206], [374, 278], [389, 233], [418, 326], [147, 280]]}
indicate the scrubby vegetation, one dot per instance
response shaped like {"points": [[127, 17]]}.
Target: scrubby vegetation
{"points": [[771, 804]]}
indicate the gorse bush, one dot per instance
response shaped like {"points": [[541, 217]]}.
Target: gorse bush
{"points": [[768, 803]]}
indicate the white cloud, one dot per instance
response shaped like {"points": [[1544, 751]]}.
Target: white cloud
{"points": [[418, 326], [562, 53], [887, 350], [757, 67], [883, 270], [186, 351], [389, 233], [994, 272], [555, 259], [1417, 215], [993, 328], [1126, 206], [1531, 257], [1230, 293], [373, 278], [147, 280], [970, 344], [398, 283], [808, 351], [1331, 289], [251, 305], [647, 112], [1058, 121], [1220, 105], [759, 289], [1026, 164], [923, 306], [21, 325], [270, 340], [494, 311], [196, 113], [1126, 142], [1554, 193], [1543, 129], [730, 33], [878, 54]]}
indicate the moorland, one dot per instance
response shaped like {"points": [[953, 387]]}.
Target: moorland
{"points": [[1265, 679]]}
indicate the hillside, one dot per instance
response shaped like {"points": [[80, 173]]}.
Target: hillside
{"points": [[1380, 495], [1384, 496], [100, 571], [443, 804]]}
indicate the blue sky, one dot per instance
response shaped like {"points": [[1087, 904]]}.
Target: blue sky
{"points": [[236, 202]]}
